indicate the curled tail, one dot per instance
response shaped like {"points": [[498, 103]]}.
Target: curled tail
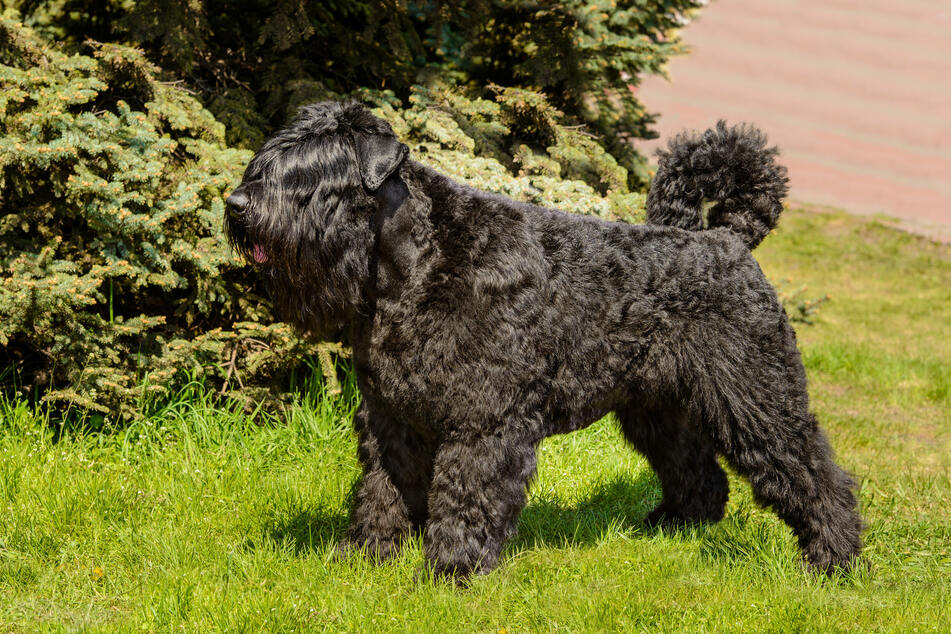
{"points": [[731, 167]]}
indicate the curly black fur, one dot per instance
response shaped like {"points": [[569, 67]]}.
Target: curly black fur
{"points": [[480, 325], [730, 167]]}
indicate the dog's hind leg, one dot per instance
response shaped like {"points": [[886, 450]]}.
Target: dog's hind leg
{"points": [[390, 500], [695, 487], [789, 464], [478, 489]]}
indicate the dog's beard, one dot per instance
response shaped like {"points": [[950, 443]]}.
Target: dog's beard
{"points": [[310, 315], [238, 234], [318, 298], [315, 284]]}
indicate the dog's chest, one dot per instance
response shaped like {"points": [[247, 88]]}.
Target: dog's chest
{"points": [[430, 371], [391, 371]]}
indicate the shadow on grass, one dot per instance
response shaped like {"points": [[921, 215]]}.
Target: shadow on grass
{"points": [[304, 531], [619, 504], [616, 505]]}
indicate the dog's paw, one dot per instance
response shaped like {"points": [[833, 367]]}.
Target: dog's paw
{"points": [[664, 518], [846, 566], [669, 518], [345, 549]]}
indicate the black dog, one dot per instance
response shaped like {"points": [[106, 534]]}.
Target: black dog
{"points": [[480, 325]]}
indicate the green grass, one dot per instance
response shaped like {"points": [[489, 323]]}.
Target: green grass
{"points": [[200, 518]]}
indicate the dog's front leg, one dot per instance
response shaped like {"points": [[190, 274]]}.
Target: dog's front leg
{"points": [[477, 492], [391, 497]]}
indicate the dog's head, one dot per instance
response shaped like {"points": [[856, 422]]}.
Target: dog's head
{"points": [[304, 209]]}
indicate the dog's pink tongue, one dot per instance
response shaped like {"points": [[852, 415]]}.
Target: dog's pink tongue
{"points": [[259, 255]]}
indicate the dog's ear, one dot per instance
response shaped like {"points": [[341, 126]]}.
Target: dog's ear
{"points": [[378, 155]]}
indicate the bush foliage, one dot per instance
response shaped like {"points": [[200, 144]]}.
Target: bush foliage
{"points": [[117, 283], [515, 143], [253, 62]]}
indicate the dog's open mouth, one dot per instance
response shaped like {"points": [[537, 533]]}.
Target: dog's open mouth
{"points": [[258, 254]]}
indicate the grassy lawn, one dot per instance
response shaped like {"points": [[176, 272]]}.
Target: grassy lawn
{"points": [[200, 519]]}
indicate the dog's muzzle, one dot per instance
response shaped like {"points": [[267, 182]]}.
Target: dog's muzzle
{"points": [[237, 204]]}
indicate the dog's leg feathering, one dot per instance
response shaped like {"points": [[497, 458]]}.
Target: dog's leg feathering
{"points": [[390, 501], [478, 489], [695, 487], [790, 466]]}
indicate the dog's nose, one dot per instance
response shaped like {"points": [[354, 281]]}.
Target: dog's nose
{"points": [[238, 201]]}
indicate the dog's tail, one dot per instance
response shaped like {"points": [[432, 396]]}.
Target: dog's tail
{"points": [[731, 167]]}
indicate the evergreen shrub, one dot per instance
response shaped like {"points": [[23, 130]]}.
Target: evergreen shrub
{"points": [[116, 283], [253, 62]]}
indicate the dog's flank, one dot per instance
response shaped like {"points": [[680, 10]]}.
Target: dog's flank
{"points": [[481, 325]]}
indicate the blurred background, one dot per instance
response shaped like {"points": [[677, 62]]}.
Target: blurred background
{"points": [[857, 95]]}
